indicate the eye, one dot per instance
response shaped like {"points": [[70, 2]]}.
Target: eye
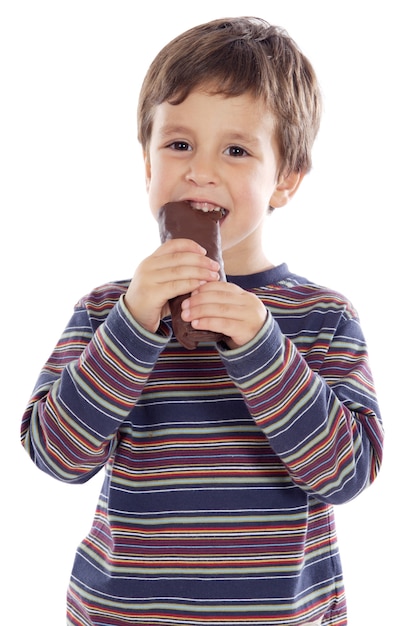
{"points": [[181, 146], [236, 151]]}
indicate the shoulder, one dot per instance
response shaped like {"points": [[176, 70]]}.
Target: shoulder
{"points": [[301, 296], [102, 299]]}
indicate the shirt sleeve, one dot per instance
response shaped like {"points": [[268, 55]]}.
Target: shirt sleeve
{"points": [[322, 421], [85, 391]]}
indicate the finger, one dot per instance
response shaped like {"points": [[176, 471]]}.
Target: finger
{"points": [[180, 245], [182, 261], [193, 275], [206, 313], [223, 297]]}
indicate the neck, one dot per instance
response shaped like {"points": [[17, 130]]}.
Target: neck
{"points": [[249, 264]]}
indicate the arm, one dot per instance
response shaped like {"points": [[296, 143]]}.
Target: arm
{"points": [[86, 389], [98, 369], [323, 423]]}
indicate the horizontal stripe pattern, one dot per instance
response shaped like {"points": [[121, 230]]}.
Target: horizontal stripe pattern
{"points": [[221, 466]]}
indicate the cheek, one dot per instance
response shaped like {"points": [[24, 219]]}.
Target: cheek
{"points": [[161, 188], [256, 183]]}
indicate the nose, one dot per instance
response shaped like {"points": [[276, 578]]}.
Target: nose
{"points": [[202, 170]]}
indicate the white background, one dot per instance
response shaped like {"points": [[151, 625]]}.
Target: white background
{"points": [[74, 214]]}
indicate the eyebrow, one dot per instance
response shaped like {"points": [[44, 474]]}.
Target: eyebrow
{"points": [[245, 138], [167, 130]]}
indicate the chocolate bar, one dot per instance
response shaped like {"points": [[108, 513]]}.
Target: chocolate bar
{"points": [[181, 220]]}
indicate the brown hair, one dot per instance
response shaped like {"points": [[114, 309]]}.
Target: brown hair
{"points": [[231, 57]]}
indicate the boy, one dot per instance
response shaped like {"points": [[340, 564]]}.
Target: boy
{"points": [[223, 463]]}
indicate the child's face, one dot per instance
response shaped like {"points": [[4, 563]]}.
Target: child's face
{"points": [[217, 151]]}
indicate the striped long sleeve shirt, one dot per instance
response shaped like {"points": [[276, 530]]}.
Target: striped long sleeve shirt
{"points": [[221, 466]]}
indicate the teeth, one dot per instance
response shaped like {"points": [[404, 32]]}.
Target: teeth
{"points": [[206, 207]]}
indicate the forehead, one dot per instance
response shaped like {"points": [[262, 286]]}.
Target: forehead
{"points": [[202, 109]]}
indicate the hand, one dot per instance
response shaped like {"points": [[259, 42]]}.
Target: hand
{"points": [[177, 267], [226, 308]]}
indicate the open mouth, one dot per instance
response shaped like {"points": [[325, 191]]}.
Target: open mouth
{"points": [[207, 207]]}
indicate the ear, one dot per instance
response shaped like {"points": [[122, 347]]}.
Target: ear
{"points": [[286, 188], [147, 169]]}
